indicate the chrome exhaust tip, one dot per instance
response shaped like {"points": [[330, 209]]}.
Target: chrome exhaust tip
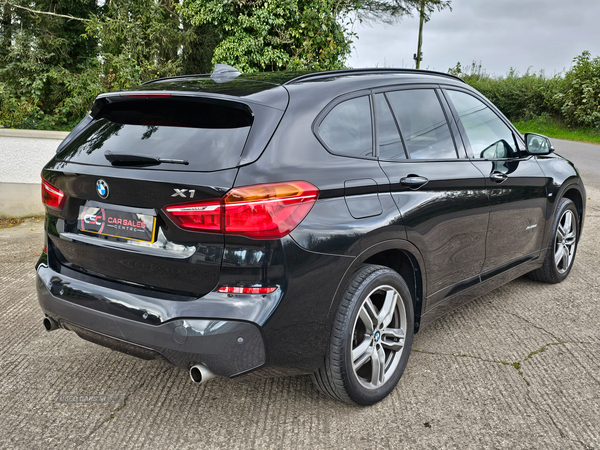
{"points": [[200, 374], [50, 324]]}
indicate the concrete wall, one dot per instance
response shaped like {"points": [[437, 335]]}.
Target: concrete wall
{"points": [[23, 153]]}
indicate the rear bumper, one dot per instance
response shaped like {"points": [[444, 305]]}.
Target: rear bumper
{"points": [[228, 347]]}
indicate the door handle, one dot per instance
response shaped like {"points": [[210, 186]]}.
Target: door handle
{"points": [[413, 181], [498, 177]]}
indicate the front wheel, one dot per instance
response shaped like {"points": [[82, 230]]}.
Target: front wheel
{"points": [[563, 245], [371, 338]]}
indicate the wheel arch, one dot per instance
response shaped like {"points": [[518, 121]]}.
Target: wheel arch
{"points": [[400, 256], [573, 193]]}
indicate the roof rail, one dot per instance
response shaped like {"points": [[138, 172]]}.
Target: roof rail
{"points": [[197, 75], [367, 71]]}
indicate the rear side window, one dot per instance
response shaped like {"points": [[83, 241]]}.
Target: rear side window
{"points": [[211, 136], [347, 129], [423, 124]]}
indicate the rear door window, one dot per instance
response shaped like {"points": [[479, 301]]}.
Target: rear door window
{"points": [[423, 124], [388, 136], [210, 136], [347, 128]]}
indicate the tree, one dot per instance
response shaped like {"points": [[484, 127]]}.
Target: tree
{"points": [[256, 35], [426, 8], [39, 53], [56, 57]]}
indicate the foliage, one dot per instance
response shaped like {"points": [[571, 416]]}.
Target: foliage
{"points": [[389, 11], [517, 96], [52, 68], [56, 57], [38, 58], [139, 41], [564, 106], [273, 34], [579, 99], [557, 128], [258, 35]]}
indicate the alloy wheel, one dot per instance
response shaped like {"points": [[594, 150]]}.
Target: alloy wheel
{"points": [[378, 337], [564, 247]]}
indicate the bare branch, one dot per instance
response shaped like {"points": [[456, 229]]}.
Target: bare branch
{"points": [[66, 16]]}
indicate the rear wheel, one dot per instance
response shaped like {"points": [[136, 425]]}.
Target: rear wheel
{"points": [[563, 245], [371, 338]]}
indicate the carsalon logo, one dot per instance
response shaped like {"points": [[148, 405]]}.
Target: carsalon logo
{"points": [[102, 188]]}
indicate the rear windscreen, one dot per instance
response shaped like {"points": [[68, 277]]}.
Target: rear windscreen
{"points": [[209, 135]]}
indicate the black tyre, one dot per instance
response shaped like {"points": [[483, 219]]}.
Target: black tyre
{"points": [[370, 340], [562, 247]]}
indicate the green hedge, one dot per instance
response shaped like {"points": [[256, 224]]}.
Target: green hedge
{"points": [[573, 98]]}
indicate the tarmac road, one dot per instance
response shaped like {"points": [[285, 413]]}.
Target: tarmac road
{"points": [[515, 369], [586, 158]]}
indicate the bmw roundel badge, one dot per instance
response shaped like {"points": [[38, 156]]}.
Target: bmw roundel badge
{"points": [[102, 188]]}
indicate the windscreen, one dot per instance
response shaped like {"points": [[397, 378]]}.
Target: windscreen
{"points": [[209, 135]]}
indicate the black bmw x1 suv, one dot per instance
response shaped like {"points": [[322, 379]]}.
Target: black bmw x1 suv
{"points": [[295, 224]]}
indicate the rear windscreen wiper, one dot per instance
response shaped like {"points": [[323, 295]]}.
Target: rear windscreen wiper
{"points": [[123, 159]]}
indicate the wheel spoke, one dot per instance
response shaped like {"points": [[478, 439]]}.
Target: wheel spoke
{"points": [[565, 258], [387, 310], [568, 222], [361, 349], [377, 366], [570, 238], [364, 358], [367, 318], [558, 256], [560, 233], [387, 339]]}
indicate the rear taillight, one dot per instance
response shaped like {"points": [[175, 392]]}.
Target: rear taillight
{"points": [[52, 197], [199, 216], [268, 210], [264, 211], [246, 290]]}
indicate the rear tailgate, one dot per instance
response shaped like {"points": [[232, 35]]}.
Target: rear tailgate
{"points": [[172, 260], [112, 224]]}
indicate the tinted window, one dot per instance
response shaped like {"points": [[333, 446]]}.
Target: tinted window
{"points": [[209, 136], [489, 136], [388, 136], [347, 128], [423, 124]]}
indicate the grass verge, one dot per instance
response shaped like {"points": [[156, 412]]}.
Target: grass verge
{"points": [[556, 129]]}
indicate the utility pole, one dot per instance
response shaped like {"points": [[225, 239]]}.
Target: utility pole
{"points": [[419, 55]]}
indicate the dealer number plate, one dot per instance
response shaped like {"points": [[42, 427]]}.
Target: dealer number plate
{"points": [[120, 224]]}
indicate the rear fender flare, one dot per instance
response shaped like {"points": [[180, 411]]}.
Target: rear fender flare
{"points": [[418, 265]]}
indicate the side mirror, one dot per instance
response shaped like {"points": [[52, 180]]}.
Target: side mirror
{"points": [[538, 144], [498, 150]]}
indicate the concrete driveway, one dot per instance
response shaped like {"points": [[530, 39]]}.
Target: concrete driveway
{"points": [[518, 368]]}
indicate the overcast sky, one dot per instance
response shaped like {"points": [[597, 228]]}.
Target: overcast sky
{"points": [[540, 34]]}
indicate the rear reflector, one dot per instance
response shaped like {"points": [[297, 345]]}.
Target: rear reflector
{"points": [[52, 197], [263, 211], [246, 290]]}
